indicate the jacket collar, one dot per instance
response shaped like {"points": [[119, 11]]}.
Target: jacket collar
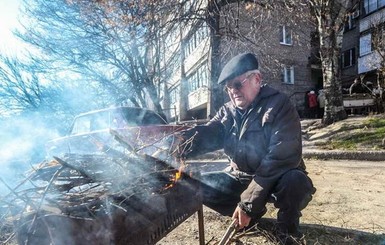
{"points": [[265, 92], [254, 109]]}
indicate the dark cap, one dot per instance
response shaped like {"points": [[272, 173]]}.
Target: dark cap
{"points": [[237, 66]]}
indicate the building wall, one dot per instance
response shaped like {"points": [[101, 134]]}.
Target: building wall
{"points": [[370, 61], [350, 41], [272, 54], [261, 36]]}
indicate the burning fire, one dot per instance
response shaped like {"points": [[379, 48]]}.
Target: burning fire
{"points": [[178, 175], [175, 178]]}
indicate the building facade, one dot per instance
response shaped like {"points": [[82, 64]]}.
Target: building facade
{"points": [[281, 42], [371, 47]]}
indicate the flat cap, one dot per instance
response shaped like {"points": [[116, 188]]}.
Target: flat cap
{"points": [[237, 66]]}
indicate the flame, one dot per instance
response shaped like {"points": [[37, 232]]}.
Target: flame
{"points": [[178, 174], [175, 178]]}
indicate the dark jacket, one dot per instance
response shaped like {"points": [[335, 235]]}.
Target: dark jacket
{"points": [[265, 143]]}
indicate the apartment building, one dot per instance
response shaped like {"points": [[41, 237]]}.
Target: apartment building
{"points": [[350, 50], [281, 44], [370, 26], [362, 55]]}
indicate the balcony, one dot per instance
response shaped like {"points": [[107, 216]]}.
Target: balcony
{"points": [[373, 19], [369, 62], [198, 98]]}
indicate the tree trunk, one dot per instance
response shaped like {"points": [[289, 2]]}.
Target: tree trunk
{"points": [[216, 95], [330, 46]]}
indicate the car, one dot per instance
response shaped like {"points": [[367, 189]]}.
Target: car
{"points": [[117, 129]]}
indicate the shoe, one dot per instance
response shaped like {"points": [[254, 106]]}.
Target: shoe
{"points": [[289, 234], [291, 239]]}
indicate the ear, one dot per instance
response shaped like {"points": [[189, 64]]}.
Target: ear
{"points": [[258, 77]]}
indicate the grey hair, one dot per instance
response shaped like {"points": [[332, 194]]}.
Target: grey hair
{"points": [[256, 71]]}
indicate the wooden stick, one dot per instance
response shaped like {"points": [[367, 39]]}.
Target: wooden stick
{"points": [[230, 232]]}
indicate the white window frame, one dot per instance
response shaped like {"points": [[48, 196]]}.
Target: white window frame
{"points": [[288, 75], [350, 54], [198, 78], [286, 36], [174, 95], [350, 23]]}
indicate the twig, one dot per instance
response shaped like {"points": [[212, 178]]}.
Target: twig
{"points": [[43, 197], [65, 164], [230, 232]]}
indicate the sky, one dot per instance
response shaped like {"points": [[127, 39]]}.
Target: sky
{"points": [[8, 22]]}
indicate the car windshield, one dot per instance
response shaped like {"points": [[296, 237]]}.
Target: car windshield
{"points": [[115, 118]]}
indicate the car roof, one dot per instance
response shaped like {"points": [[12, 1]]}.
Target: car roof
{"points": [[120, 108]]}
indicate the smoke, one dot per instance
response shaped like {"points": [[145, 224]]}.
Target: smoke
{"points": [[22, 145], [113, 183]]}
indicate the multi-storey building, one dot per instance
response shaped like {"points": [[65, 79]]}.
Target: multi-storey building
{"points": [[370, 25], [281, 44], [362, 53], [350, 50]]}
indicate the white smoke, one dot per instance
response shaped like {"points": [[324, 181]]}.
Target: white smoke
{"points": [[22, 145]]}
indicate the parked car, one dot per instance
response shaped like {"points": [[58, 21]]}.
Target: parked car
{"points": [[114, 129]]}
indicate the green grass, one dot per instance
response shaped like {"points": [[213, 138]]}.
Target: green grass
{"points": [[369, 136], [375, 122]]}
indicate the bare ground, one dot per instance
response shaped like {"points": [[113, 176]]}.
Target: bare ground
{"points": [[348, 208]]}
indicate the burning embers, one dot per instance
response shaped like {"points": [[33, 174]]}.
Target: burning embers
{"points": [[100, 199]]}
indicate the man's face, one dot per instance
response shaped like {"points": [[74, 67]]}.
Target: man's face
{"points": [[243, 89]]}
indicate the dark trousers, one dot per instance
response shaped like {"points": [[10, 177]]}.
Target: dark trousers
{"points": [[221, 191]]}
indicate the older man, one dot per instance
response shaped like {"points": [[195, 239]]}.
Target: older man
{"points": [[260, 132]]}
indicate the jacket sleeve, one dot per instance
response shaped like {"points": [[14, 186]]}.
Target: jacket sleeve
{"points": [[284, 152], [205, 138]]}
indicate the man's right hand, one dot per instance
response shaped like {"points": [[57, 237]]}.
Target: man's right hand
{"points": [[181, 143], [241, 218]]}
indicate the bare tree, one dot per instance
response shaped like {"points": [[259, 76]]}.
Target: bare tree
{"points": [[90, 37], [19, 90], [98, 45], [24, 91], [330, 19]]}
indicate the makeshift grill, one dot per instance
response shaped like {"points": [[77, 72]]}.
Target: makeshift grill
{"points": [[105, 199]]}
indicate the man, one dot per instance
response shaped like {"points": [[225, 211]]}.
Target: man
{"points": [[357, 87], [260, 132]]}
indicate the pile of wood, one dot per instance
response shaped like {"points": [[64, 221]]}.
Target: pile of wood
{"points": [[100, 199]]}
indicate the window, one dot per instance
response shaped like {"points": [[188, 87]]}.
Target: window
{"points": [[174, 64], [174, 95], [288, 75], [370, 6], [196, 38], [348, 58], [199, 78], [350, 23], [285, 36], [366, 44], [381, 3]]}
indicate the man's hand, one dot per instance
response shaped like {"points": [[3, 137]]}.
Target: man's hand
{"points": [[181, 143], [241, 217]]}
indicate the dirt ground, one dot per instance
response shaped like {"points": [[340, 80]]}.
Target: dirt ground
{"points": [[348, 208]]}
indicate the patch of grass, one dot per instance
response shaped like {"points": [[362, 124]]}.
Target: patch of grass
{"points": [[371, 137], [340, 144], [375, 122], [366, 134]]}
